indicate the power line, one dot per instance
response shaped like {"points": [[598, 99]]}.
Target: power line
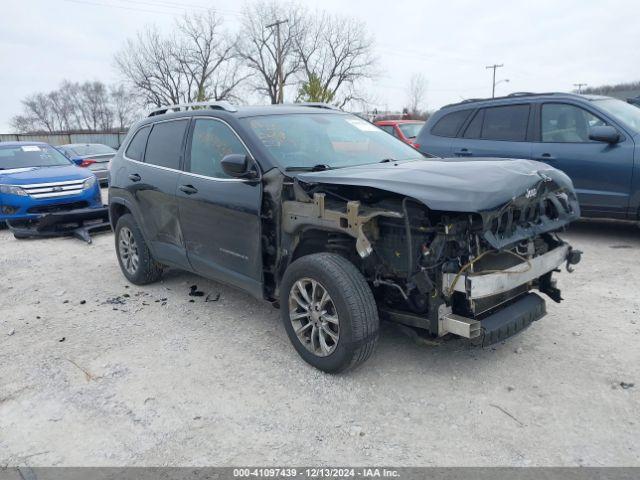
{"points": [[495, 66], [96, 4], [184, 7]]}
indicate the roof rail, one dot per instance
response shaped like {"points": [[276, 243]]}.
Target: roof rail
{"points": [[511, 95], [216, 105], [316, 105], [522, 94]]}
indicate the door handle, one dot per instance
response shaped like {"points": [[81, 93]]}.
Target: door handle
{"points": [[463, 152], [188, 189], [545, 157], [134, 177]]}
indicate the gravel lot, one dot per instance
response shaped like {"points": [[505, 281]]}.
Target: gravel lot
{"points": [[94, 371]]}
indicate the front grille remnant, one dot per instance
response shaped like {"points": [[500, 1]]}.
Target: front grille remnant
{"points": [[523, 219], [54, 189]]}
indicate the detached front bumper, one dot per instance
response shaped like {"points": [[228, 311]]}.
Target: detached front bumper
{"points": [[522, 307], [78, 223]]}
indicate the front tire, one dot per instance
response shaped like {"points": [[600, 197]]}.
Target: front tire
{"points": [[329, 312], [135, 259]]}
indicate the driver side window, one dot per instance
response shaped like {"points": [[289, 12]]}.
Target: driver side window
{"points": [[212, 140], [564, 123]]}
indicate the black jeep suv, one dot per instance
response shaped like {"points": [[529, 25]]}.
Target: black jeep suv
{"points": [[338, 223]]}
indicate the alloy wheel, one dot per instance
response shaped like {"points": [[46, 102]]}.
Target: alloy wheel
{"points": [[314, 317], [128, 250]]}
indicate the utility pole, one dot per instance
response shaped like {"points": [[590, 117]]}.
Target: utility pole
{"points": [[279, 60], [494, 67], [579, 86]]}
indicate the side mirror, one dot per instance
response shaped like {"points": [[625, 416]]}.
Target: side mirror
{"points": [[605, 133], [77, 161], [238, 166]]}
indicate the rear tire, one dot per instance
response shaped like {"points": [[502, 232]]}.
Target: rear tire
{"points": [[329, 312], [135, 259]]}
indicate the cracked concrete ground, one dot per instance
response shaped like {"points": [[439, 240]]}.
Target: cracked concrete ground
{"points": [[97, 372]]}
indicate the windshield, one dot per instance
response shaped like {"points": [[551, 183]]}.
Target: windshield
{"points": [[89, 149], [410, 130], [334, 140], [626, 113], [24, 156]]}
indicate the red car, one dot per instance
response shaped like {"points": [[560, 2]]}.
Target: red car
{"points": [[405, 130]]}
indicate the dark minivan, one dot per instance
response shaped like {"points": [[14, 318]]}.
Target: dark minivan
{"points": [[593, 139]]}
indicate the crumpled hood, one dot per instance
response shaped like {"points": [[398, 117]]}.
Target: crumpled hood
{"points": [[456, 185], [29, 175]]}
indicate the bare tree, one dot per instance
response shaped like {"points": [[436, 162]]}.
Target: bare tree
{"points": [[261, 50], [125, 106], [416, 92], [88, 106], [196, 62], [339, 52], [38, 114]]}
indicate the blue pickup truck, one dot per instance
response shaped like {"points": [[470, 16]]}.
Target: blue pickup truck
{"points": [[595, 140], [38, 182]]}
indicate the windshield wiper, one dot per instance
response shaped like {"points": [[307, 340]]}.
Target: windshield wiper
{"points": [[316, 168]]}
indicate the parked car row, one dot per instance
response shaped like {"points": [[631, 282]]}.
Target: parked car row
{"points": [[337, 221]]}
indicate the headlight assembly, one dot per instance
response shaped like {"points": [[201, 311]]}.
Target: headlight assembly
{"points": [[89, 182], [12, 190]]}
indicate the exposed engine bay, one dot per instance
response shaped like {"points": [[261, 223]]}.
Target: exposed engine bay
{"points": [[466, 273]]}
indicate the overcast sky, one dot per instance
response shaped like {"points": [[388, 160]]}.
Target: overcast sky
{"points": [[544, 45]]}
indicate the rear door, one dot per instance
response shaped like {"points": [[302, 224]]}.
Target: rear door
{"points": [[220, 215], [501, 131], [153, 182], [601, 172], [437, 137]]}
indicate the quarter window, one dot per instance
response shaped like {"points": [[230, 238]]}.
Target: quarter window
{"points": [[506, 123], [135, 150], [164, 147], [564, 123], [449, 125], [212, 141]]}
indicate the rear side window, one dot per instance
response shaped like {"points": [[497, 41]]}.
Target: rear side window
{"points": [[506, 123], [212, 141], [135, 150], [449, 125], [165, 144]]}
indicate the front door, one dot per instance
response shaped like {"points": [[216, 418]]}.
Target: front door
{"points": [[601, 172], [220, 215]]}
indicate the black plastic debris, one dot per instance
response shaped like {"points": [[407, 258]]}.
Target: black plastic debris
{"points": [[194, 292], [62, 339], [626, 385], [115, 301], [212, 298]]}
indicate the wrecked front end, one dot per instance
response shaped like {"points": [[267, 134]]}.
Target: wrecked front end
{"points": [[471, 274]]}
